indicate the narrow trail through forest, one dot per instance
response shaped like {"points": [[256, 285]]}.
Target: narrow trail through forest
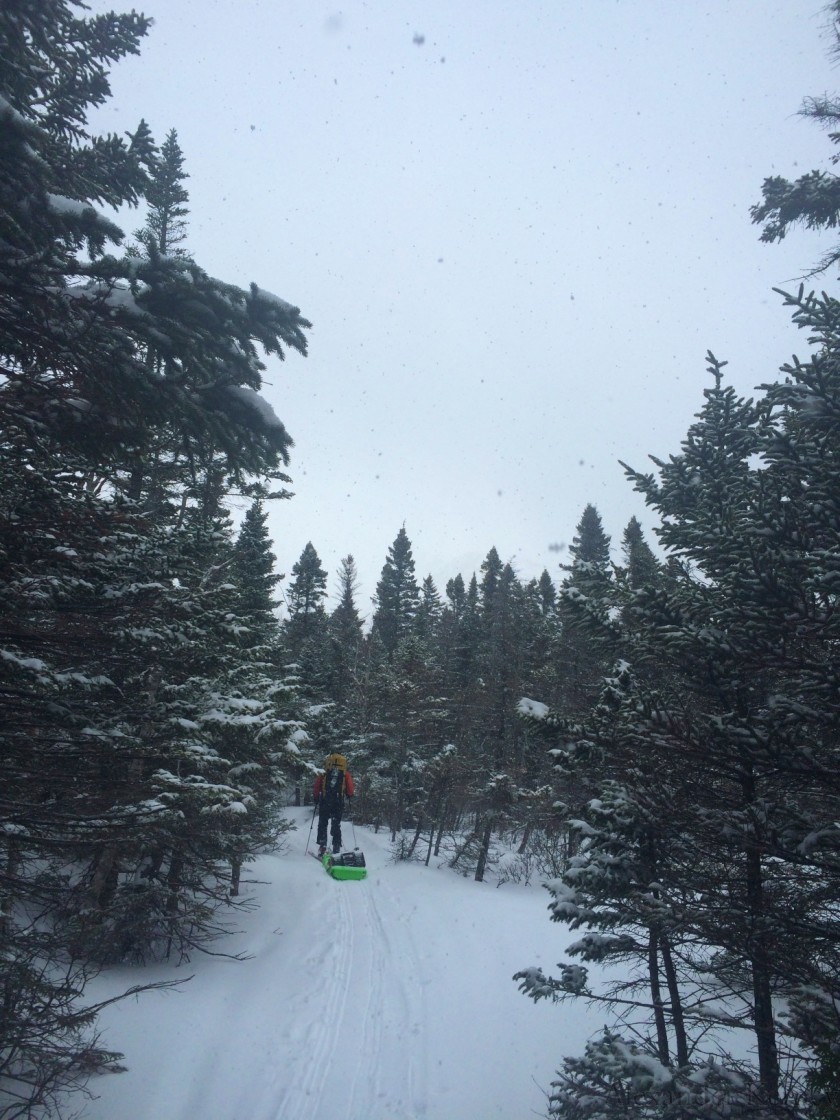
{"points": [[385, 999]]}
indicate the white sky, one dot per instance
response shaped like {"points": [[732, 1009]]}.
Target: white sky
{"points": [[516, 240]]}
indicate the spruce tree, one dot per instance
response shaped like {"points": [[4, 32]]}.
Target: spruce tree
{"points": [[429, 611], [499, 661], [812, 200], [253, 564], [167, 198], [345, 632], [309, 587], [117, 614], [641, 566], [460, 633], [587, 593], [589, 571], [51, 172], [710, 848], [307, 619], [397, 595], [411, 728]]}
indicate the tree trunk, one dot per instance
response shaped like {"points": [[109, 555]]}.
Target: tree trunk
{"points": [[235, 873], [441, 825], [417, 831], [173, 882], [677, 1020], [656, 999], [104, 881], [396, 813], [765, 1028], [439, 839], [483, 853], [431, 842], [7, 894], [758, 951]]}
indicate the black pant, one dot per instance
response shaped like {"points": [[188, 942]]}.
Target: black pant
{"points": [[333, 813]]}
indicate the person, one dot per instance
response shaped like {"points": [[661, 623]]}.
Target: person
{"points": [[330, 791]]}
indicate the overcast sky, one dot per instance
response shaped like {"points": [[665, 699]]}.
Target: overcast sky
{"points": [[517, 227]]}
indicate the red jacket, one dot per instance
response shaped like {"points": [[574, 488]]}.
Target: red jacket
{"points": [[349, 788]]}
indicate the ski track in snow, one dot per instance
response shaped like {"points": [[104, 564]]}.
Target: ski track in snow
{"points": [[359, 1031], [383, 999], [388, 1016], [329, 963]]}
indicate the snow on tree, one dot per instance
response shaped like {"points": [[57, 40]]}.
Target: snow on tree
{"points": [[130, 404], [708, 848]]}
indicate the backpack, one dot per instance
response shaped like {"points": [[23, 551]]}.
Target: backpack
{"points": [[335, 768]]}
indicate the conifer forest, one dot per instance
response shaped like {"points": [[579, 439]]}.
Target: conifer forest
{"points": [[654, 726]]}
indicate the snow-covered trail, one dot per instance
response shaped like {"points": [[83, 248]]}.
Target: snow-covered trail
{"points": [[356, 1047], [386, 999]]}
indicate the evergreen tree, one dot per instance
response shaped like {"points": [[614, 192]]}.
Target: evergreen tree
{"points": [[253, 566], [305, 601], [710, 847], [397, 595], [812, 200], [167, 198], [491, 571], [546, 594], [309, 587], [460, 633], [118, 618], [589, 571], [541, 657], [500, 652], [410, 722], [642, 567], [45, 1038], [456, 593], [345, 630], [265, 731], [429, 611], [587, 594]]}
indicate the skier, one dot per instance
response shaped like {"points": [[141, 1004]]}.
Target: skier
{"points": [[330, 790]]}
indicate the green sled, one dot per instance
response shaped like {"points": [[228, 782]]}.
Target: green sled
{"points": [[354, 868]]}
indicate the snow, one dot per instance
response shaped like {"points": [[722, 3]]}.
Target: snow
{"points": [[533, 708], [651, 1070], [115, 296], [10, 115], [63, 205], [256, 404], [270, 297], [386, 999], [24, 662]]}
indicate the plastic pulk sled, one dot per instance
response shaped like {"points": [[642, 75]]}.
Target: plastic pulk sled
{"points": [[348, 865]]}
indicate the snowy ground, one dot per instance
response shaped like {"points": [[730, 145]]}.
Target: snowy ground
{"points": [[387, 999]]}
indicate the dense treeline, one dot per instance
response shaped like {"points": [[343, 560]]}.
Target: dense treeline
{"points": [[425, 694]]}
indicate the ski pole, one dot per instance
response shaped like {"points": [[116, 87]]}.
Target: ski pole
{"points": [[309, 837]]}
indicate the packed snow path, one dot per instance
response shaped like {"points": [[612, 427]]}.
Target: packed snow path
{"points": [[386, 999]]}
